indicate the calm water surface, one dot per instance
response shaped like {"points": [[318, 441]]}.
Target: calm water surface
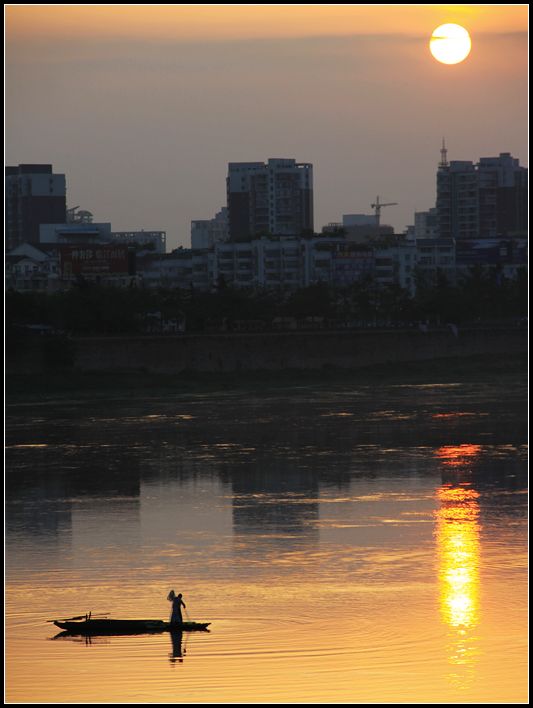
{"points": [[366, 544]]}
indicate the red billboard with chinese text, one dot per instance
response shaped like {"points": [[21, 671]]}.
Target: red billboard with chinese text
{"points": [[94, 260]]}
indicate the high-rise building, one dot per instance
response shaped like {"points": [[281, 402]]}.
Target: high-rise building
{"points": [[206, 232], [269, 198], [483, 200], [34, 196], [503, 196]]}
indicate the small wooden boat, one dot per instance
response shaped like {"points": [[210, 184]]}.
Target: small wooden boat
{"points": [[91, 627]]}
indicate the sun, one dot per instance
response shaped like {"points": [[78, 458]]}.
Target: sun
{"points": [[450, 44]]}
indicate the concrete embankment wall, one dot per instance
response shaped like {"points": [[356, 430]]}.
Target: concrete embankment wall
{"points": [[277, 351]]}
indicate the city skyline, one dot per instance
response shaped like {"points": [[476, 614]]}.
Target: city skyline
{"points": [[157, 109]]}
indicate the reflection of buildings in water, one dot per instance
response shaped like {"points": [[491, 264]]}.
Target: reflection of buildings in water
{"points": [[106, 511], [276, 502], [36, 507], [484, 466], [458, 547], [184, 510], [64, 496], [104, 526], [38, 526]]}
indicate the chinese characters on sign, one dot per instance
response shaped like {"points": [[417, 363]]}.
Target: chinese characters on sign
{"points": [[94, 260]]}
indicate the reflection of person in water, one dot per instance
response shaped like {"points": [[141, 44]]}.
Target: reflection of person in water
{"points": [[177, 604], [177, 652]]}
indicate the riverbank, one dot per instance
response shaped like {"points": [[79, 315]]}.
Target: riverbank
{"points": [[235, 354], [30, 387]]}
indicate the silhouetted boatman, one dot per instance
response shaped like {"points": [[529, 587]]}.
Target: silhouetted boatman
{"points": [[177, 604]]}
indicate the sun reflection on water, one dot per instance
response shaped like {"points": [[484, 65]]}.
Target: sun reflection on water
{"points": [[457, 455], [458, 545], [458, 542]]}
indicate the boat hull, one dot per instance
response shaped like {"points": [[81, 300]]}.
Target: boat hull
{"points": [[110, 626]]}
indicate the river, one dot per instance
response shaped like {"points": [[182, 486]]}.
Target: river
{"points": [[347, 543]]}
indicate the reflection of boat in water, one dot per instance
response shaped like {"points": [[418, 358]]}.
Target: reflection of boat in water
{"points": [[94, 627], [176, 637]]}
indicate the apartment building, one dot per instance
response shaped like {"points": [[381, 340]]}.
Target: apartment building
{"points": [[275, 197], [483, 200], [34, 195]]}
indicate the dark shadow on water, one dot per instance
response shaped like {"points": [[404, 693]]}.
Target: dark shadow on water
{"points": [[176, 655], [178, 651]]}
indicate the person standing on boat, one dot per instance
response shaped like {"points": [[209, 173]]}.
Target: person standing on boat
{"points": [[177, 604]]}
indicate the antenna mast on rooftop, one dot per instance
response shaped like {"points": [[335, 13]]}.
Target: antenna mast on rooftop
{"points": [[443, 155]]}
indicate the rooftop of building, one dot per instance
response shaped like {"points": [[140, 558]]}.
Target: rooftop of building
{"points": [[28, 169]]}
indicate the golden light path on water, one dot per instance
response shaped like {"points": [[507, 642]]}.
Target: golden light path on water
{"points": [[458, 542], [365, 573]]}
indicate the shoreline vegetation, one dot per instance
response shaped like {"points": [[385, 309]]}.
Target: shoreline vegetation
{"points": [[25, 388], [90, 341]]}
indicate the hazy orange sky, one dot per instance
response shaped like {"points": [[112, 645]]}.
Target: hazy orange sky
{"points": [[143, 106], [247, 21]]}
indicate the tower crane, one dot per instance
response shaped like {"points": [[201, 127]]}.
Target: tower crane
{"points": [[377, 206]]}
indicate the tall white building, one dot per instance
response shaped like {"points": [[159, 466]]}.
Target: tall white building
{"points": [[488, 199], [269, 198]]}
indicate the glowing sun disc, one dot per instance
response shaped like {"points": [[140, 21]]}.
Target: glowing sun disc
{"points": [[450, 44]]}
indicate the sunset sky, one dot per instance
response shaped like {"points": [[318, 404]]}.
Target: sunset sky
{"points": [[143, 106]]}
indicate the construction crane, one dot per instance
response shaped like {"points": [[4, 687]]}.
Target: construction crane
{"points": [[377, 206]]}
